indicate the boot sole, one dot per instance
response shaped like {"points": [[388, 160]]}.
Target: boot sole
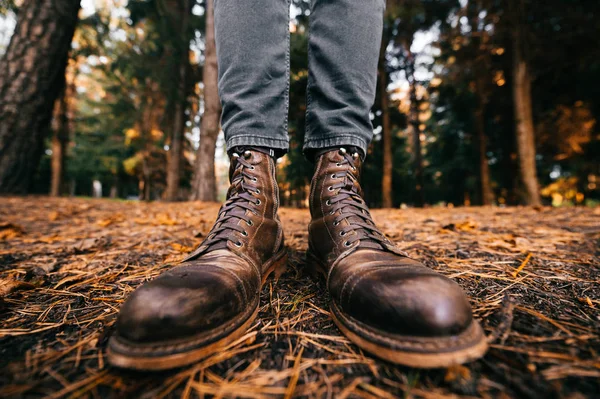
{"points": [[173, 354], [418, 352]]}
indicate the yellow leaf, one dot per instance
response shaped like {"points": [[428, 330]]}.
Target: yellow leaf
{"points": [[165, 220]]}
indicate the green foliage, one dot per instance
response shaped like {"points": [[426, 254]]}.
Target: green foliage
{"points": [[7, 6]]}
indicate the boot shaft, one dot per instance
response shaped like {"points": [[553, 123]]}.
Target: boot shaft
{"points": [[248, 223]]}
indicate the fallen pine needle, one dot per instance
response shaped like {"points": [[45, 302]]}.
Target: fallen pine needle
{"points": [[296, 373], [522, 266]]}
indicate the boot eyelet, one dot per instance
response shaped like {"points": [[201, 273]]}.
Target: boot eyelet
{"points": [[250, 223], [254, 179], [336, 223], [332, 212], [338, 164], [347, 244], [333, 176], [238, 244], [257, 191], [247, 154], [330, 188], [343, 233], [251, 168], [328, 203], [258, 202], [245, 233]]}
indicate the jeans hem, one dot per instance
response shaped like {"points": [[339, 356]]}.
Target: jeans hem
{"points": [[257, 141], [336, 140]]}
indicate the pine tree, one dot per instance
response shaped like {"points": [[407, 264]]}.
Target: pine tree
{"points": [[32, 76]]}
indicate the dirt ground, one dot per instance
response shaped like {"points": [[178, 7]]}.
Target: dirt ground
{"points": [[66, 265]]}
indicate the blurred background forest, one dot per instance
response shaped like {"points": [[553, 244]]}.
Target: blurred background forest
{"points": [[479, 102]]}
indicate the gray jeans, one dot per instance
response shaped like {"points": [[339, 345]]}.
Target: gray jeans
{"points": [[253, 51]]}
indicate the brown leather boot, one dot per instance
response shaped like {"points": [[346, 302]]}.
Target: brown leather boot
{"points": [[212, 297], [383, 301]]}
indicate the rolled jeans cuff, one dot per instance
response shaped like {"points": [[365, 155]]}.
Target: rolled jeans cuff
{"points": [[326, 140], [245, 139]]}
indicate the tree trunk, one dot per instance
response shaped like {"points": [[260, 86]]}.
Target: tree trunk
{"points": [[205, 182], [60, 139], [176, 148], [32, 75], [418, 156], [386, 132], [524, 112], [487, 195], [144, 180], [416, 131], [205, 179]]}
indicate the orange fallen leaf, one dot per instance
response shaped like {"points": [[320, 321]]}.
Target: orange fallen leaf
{"points": [[9, 230], [53, 216], [165, 220], [181, 248], [466, 226], [457, 372]]}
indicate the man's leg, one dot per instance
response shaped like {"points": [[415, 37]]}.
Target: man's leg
{"points": [[211, 298], [385, 302], [343, 50], [252, 38]]}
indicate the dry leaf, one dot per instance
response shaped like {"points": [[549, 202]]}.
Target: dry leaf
{"points": [[54, 215], [9, 231], [181, 248], [457, 372], [165, 220], [8, 286]]}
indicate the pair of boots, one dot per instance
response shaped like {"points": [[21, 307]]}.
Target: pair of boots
{"points": [[386, 303]]}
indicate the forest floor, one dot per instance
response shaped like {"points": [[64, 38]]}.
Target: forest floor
{"points": [[66, 265]]}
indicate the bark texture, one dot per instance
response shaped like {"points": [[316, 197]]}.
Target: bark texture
{"points": [[205, 182], [32, 76], [416, 131], [176, 151], [487, 195], [524, 111], [386, 132], [60, 139]]}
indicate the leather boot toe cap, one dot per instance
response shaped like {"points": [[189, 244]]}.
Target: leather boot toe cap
{"points": [[185, 301], [409, 300]]}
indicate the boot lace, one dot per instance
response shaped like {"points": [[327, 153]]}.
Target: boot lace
{"points": [[350, 206], [241, 199]]}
